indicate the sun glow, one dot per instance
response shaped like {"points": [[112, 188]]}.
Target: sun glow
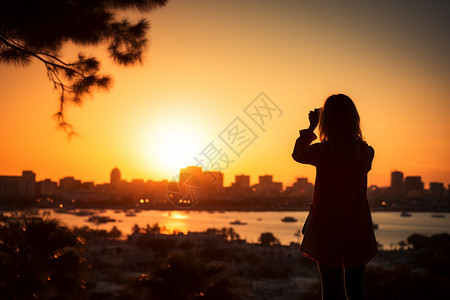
{"points": [[177, 215], [171, 146]]}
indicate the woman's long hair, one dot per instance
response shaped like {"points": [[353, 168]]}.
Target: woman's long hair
{"points": [[339, 126]]}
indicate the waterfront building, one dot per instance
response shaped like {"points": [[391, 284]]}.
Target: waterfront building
{"points": [[210, 182], [414, 183], [69, 183], [190, 172], [115, 177], [18, 186], [267, 187], [397, 183], [88, 186], [414, 187], [437, 189], [265, 179], [46, 187], [213, 182], [241, 185], [301, 188], [241, 181]]}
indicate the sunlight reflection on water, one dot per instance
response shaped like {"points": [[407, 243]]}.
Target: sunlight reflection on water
{"points": [[392, 227]]}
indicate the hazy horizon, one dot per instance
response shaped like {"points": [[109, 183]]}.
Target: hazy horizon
{"points": [[253, 179]]}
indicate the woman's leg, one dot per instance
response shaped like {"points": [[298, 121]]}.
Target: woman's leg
{"points": [[354, 283], [332, 283]]}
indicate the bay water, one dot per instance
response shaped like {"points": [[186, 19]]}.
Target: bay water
{"points": [[392, 227]]}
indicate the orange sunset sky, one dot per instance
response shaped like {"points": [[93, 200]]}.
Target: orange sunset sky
{"points": [[207, 60]]}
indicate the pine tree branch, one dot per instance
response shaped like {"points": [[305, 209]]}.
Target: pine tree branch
{"points": [[13, 44], [82, 77]]}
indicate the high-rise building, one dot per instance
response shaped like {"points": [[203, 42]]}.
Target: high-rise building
{"points": [[115, 177], [46, 187], [267, 187], [413, 183], [18, 186], [397, 184], [69, 183], [210, 182], [304, 187], [9, 185], [265, 179], [191, 174], [241, 181], [437, 189], [213, 181], [28, 184]]}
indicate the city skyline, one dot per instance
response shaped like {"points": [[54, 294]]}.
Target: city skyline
{"points": [[202, 71], [394, 178], [195, 188]]}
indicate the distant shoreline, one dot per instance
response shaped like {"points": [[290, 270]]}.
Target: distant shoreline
{"points": [[216, 210]]}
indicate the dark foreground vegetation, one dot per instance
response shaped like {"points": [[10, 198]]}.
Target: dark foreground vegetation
{"points": [[43, 259]]}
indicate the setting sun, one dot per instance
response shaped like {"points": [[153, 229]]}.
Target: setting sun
{"points": [[172, 145]]}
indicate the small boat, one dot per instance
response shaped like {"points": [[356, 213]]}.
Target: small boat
{"points": [[238, 222], [100, 219], [289, 219], [83, 213], [130, 214], [438, 216], [405, 214]]}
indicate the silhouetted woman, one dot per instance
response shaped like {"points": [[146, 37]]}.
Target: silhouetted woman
{"points": [[339, 232]]}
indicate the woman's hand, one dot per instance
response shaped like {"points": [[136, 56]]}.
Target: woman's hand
{"points": [[314, 116]]}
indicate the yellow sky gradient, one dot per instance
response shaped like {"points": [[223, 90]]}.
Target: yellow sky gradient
{"points": [[208, 60]]}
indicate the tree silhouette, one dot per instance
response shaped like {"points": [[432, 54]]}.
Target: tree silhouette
{"points": [[41, 259], [268, 239], [115, 233], [154, 229], [233, 234], [227, 234], [38, 29], [136, 229], [184, 277]]}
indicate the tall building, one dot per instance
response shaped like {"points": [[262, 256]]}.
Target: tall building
{"points": [[28, 184], [213, 181], [265, 179], [210, 182], [46, 187], [414, 186], [413, 183], [18, 186], [115, 177], [69, 183], [240, 187], [302, 188], [437, 189], [193, 174], [397, 184], [301, 192], [241, 181], [267, 187]]}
